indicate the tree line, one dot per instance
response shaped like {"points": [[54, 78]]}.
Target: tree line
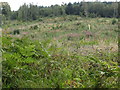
{"points": [[83, 9]]}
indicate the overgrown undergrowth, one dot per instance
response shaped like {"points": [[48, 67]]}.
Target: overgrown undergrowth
{"points": [[31, 64]]}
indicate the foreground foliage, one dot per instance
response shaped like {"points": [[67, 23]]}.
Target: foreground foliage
{"points": [[33, 64]]}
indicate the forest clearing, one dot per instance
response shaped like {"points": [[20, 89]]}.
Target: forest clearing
{"points": [[67, 51]]}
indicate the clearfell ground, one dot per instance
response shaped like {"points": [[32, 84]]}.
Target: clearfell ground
{"points": [[61, 52]]}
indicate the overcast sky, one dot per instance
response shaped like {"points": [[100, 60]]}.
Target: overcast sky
{"points": [[15, 4]]}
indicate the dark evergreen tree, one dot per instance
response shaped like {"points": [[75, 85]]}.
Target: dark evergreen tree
{"points": [[6, 10], [69, 9]]}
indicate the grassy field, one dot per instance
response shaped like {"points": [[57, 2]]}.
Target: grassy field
{"points": [[61, 52]]}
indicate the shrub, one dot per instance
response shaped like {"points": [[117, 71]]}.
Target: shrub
{"points": [[34, 27], [16, 32], [40, 19], [114, 21]]}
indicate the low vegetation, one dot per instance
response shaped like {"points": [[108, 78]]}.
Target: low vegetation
{"points": [[59, 53]]}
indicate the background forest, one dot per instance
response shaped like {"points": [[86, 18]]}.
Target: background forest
{"points": [[83, 9]]}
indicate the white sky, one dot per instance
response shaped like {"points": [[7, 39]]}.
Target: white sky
{"points": [[15, 4]]}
